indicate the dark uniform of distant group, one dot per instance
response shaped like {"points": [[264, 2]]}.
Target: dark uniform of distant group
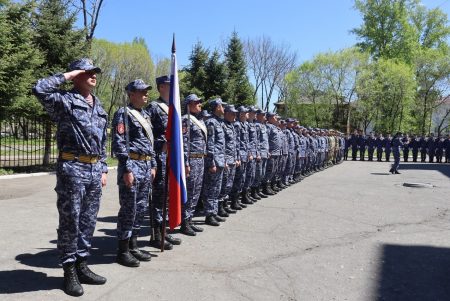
{"points": [[234, 157], [427, 148]]}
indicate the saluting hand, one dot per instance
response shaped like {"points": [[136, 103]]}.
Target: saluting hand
{"points": [[72, 74]]}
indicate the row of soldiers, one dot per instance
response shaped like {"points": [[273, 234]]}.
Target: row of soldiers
{"points": [[239, 155], [234, 158], [434, 147]]}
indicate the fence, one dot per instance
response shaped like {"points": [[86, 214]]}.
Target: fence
{"points": [[28, 141]]}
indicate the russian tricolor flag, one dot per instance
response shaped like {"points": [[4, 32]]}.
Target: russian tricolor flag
{"points": [[176, 188]]}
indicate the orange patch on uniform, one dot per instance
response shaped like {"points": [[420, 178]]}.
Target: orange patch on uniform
{"points": [[120, 128]]}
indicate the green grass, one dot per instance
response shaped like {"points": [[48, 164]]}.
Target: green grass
{"points": [[4, 172]]}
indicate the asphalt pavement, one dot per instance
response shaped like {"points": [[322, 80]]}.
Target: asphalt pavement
{"points": [[350, 232]]}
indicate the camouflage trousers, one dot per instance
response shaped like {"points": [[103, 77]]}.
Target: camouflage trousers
{"points": [[260, 172], [211, 191], [227, 180], [78, 189], [299, 165], [282, 166], [289, 167], [194, 183], [250, 173], [134, 200], [271, 169], [239, 178], [159, 195]]}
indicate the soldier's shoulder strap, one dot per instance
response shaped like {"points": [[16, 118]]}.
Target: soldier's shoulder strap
{"points": [[200, 124], [163, 106], [147, 126]]}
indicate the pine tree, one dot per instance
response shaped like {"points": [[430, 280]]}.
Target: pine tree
{"points": [[196, 74], [216, 76], [19, 57], [56, 35], [239, 89]]}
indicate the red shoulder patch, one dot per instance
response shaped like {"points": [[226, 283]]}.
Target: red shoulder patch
{"points": [[120, 128]]}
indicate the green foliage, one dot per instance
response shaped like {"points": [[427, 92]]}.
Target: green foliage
{"points": [[239, 90], [386, 90], [196, 77], [56, 36], [19, 57], [216, 76], [121, 63]]}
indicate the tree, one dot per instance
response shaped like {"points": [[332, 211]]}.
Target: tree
{"points": [[19, 57], [121, 63], [239, 90], [269, 63], [432, 68], [91, 11], [386, 90], [386, 30], [196, 77], [215, 76]]}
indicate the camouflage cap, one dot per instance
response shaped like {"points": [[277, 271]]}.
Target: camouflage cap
{"points": [[165, 79], [84, 64], [137, 85], [191, 98], [231, 109]]}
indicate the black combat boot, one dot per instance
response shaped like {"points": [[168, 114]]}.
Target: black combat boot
{"points": [[220, 219], [249, 196], [280, 185], [235, 202], [254, 194], [245, 198], [267, 190], [275, 187], [140, 255], [72, 286], [173, 240], [194, 226], [210, 220], [227, 208], [85, 275], [124, 257], [238, 197], [186, 228], [221, 212], [261, 193], [155, 242]]}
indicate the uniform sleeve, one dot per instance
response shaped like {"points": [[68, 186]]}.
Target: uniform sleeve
{"points": [[210, 145], [119, 145], [103, 155], [185, 127], [47, 92]]}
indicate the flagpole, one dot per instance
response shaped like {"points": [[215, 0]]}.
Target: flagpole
{"points": [[166, 198]]}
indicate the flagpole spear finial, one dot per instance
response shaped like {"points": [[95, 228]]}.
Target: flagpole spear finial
{"points": [[173, 44]]}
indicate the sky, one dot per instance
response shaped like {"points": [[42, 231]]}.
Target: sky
{"points": [[308, 27]]}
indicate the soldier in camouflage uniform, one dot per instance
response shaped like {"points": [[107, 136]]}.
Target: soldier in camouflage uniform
{"points": [[81, 167], [263, 143], [231, 160], [133, 146], [158, 111], [214, 162], [194, 142], [253, 154], [275, 144], [240, 127]]}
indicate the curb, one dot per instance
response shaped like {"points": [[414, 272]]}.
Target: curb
{"points": [[36, 174]]}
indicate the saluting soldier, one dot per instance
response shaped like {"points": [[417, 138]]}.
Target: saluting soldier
{"points": [[133, 146], [81, 168]]}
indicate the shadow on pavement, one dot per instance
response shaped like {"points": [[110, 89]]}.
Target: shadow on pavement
{"points": [[20, 281], [380, 173], [413, 273], [441, 167], [103, 252]]}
